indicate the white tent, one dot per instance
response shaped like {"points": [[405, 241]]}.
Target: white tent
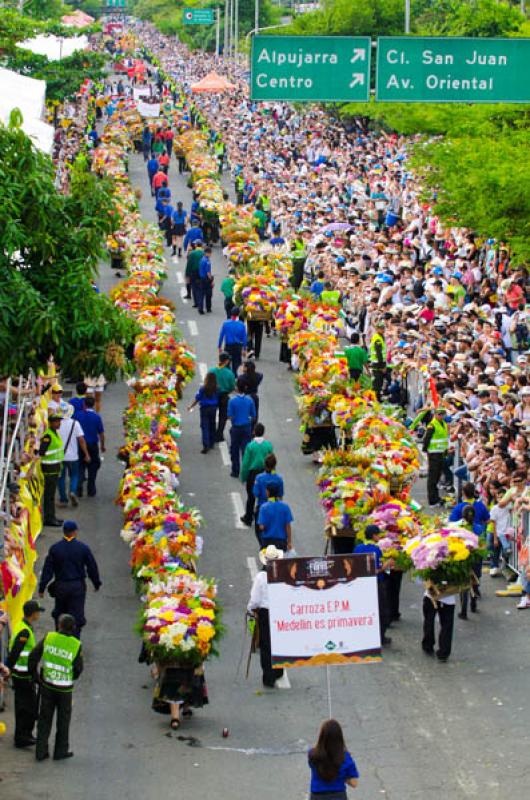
{"points": [[28, 95], [55, 47]]}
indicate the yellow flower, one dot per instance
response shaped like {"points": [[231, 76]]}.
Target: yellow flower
{"points": [[205, 632]]}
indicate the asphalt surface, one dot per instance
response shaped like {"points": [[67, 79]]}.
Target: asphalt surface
{"points": [[417, 728]]}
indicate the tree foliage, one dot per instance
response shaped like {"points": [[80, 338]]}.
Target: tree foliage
{"points": [[48, 258], [63, 78]]}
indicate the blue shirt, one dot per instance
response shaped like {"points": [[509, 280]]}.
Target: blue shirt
{"points": [[317, 287], [205, 267], [179, 217], [92, 425], [152, 166], [79, 405], [482, 514], [263, 480], [233, 331], [69, 560], [347, 769], [204, 401], [274, 515], [192, 235], [241, 410], [370, 547]]}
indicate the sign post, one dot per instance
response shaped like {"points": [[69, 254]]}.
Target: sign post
{"points": [[198, 16], [414, 69], [309, 69]]}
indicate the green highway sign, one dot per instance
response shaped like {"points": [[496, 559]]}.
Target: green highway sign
{"points": [[310, 68], [414, 69], [198, 16]]}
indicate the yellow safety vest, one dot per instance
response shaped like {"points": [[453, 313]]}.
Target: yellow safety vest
{"points": [[55, 452], [377, 339], [440, 439]]}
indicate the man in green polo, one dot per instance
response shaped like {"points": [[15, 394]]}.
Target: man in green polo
{"points": [[61, 663], [226, 383], [356, 356], [227, 288], [192, 276], [21, 644]]}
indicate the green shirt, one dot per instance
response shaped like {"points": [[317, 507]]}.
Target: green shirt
{"points": [[227, 287], [254, 458], [356, 357], [226, 381], [260, 218], [193, 261]]}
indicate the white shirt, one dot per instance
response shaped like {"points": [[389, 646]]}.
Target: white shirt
{"points": [[502, 517], [71, 452], [259, 594]]}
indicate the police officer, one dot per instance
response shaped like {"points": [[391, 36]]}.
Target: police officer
{"points": [[329, 295], [62, 664], [51, 451], [298, 257], [69, 562], [21, 644], [378, 358], [435, 444]]}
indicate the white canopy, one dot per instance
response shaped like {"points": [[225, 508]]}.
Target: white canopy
{"points": [[28, 95], [55, 47]]}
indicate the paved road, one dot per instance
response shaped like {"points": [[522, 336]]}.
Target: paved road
{"points": [[417, 729]]}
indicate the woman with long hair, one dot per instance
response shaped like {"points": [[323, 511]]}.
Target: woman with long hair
{"points": [[208, 399], [332, 767]]}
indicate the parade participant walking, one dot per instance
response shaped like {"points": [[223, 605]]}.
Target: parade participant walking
{"points": [[274, 521], [242, 413], [371, 534], [147, 138], [208, 399], [78, 401], [51, 451], [435, 444], [255, 335], [332, 767], [74, 445], [251, 380], [233, 335], [265, 479], [179, 228], [193, 259], [61, 660], [258, 605], [67, 564], [227, 288], [152, 169], [226, 383], [206, 282], [356, 356], [253, 463], [21, 644], [92, 426], [445, 609], [378, 364]]}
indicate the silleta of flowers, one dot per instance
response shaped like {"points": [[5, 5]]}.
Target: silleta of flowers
{"points": [[444, 556], [180, 617]]}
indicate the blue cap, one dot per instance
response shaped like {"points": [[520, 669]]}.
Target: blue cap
{"points": [[438, 271], [457, 275], [69, 526], [340, 260]]}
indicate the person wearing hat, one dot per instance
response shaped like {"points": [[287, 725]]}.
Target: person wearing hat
{"points": [[57, 405], [233, 335], [67, 564], [226, 383], [258, 605], [436, 445], [378, 364], [51, 452], [21, 644], [61, 663]]}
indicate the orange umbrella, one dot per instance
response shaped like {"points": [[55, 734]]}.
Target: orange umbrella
{"points": [[212, 83]]}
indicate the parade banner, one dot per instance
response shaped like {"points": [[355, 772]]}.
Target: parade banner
{"points": [[148, 109], [323, 610], [140, 92]]}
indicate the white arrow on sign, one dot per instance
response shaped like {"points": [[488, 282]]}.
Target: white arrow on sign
{"points": [[358, 55], [357, 79]]}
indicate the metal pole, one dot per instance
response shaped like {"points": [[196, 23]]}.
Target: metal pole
{"points": [[225, 47], [407, 16], [236, 29], [217, 30], [256, 15]]}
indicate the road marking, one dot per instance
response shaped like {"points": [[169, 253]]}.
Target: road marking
{"points": [[180, 277], [192, 325], [237, 503], [252, 567], [223, 449], [183, 295], [203, 369], [283, 682]]}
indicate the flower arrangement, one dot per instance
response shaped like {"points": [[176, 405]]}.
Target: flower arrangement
{"points": [[444, 556]]}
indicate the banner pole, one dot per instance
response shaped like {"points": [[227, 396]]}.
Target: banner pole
{"points": [[328, 682]]}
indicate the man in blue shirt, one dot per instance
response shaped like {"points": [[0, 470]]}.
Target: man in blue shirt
{"points": [[241, 413], [78, 402], [234, 334], [206, 282], [69, 562], [274, 520], [371, 534], [94, 434], [317, 287], [482, 514], [152, 169], [194, 234]]}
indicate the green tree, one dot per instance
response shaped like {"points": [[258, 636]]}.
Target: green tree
{"points": [[487, 18], [48, 259]]}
